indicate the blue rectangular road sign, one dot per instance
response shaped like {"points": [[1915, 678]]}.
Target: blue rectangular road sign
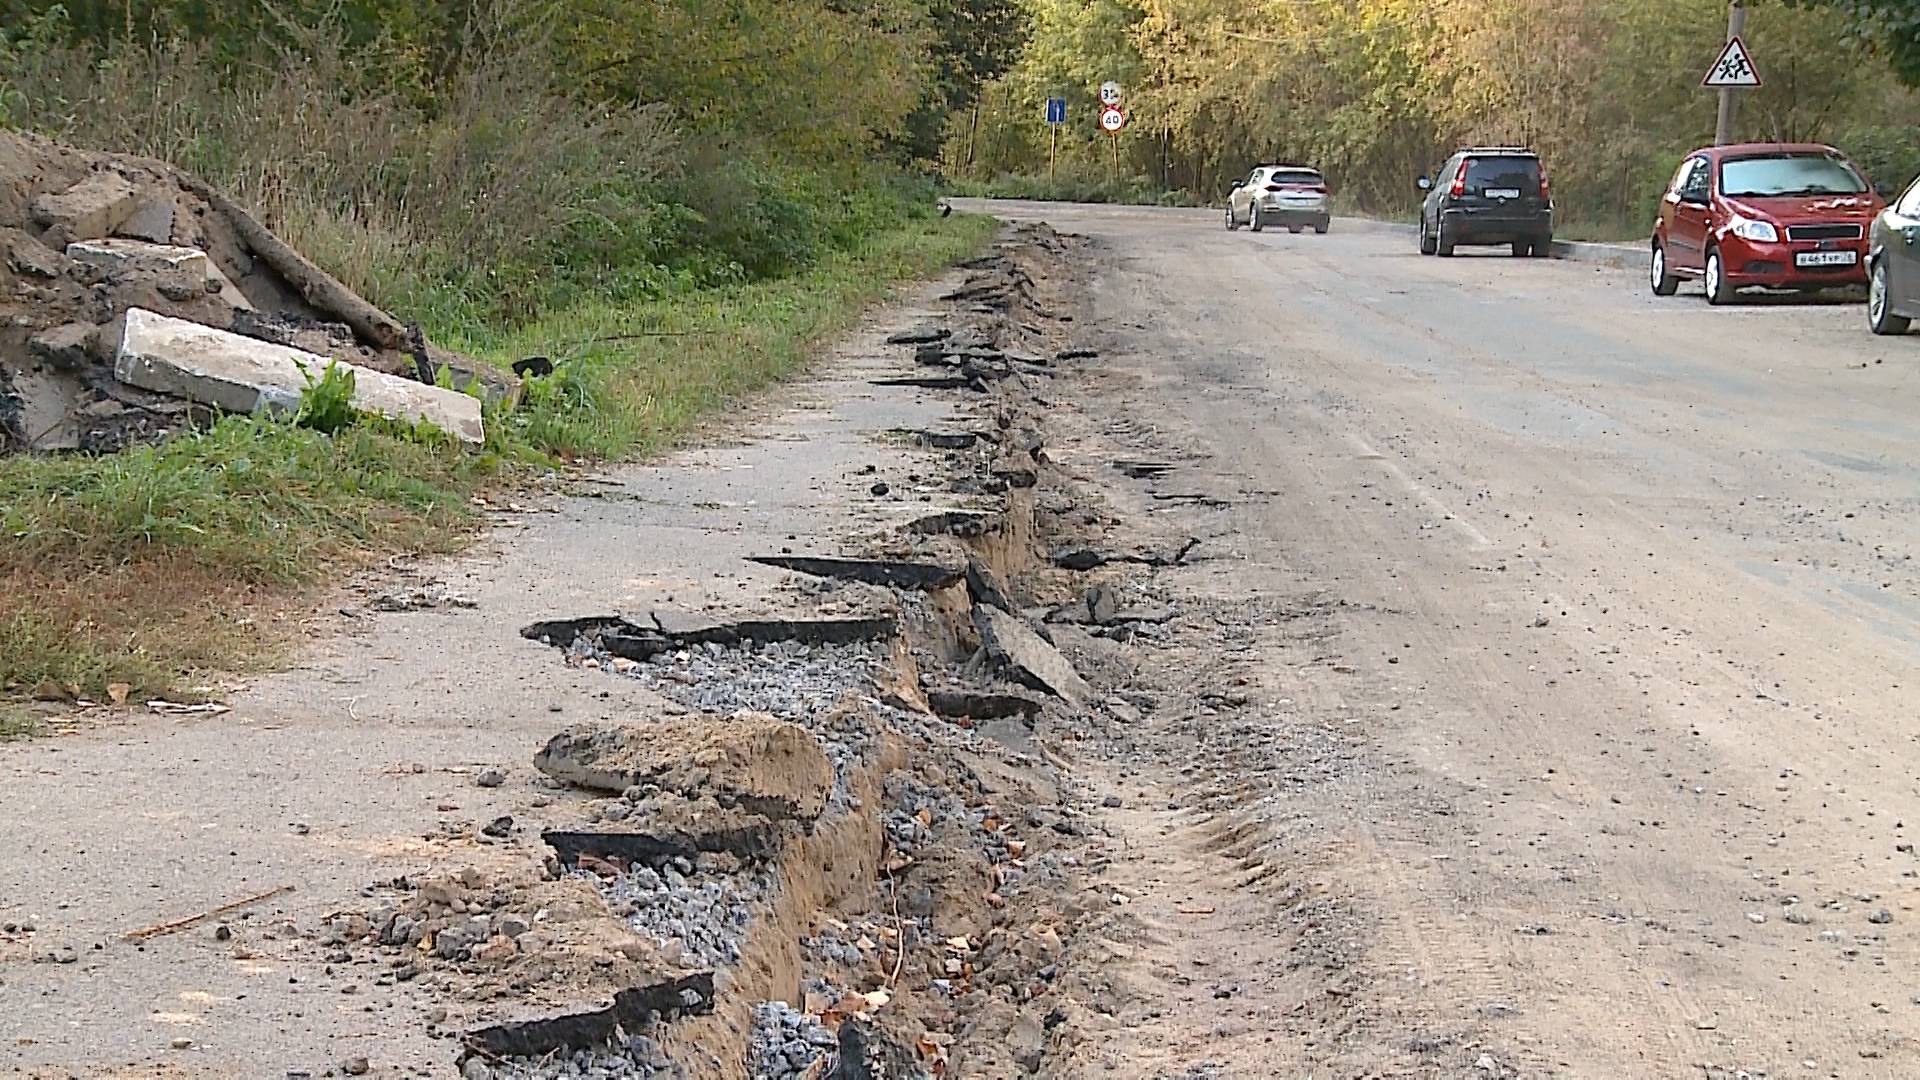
{"points": [[1056, 110]]}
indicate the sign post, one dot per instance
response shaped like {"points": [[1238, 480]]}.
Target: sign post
{"points": [[1733, 72], [1056, 115], [1113, 120]]}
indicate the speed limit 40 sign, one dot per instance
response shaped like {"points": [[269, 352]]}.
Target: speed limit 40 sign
{"points": [[1112, 120]]}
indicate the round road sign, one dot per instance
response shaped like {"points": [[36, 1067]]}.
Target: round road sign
{"points": [[1112, 120], [1109, 93]]}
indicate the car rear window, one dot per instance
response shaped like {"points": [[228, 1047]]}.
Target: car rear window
{"points": [[1497, 173], [1789, 174], [1295, 176]]}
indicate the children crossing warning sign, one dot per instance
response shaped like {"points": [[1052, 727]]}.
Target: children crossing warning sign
{"points": [[1733, 70]]}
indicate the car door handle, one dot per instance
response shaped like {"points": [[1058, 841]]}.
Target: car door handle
{"points": [[1911, 234]]}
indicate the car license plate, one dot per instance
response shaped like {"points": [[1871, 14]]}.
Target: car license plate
{"points": [[1826, 258], [1503, 193]]}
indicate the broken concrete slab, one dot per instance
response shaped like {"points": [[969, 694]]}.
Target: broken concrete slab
{"points": [[68, 346], [965, 524], [90, 209], [985, 586], [756, 840], [937, 382], [896, 574], [632, 1009], [152, 221], [946, 440], [32, 258], [119, 256], [919, 335], [679, 623], [243, 375], [752, 762], [636, 642], [971, 704], [49, 405], [1028, 658], [115, 255]]}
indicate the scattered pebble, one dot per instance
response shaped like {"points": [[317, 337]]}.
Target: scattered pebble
{"points": [[491, 776]]}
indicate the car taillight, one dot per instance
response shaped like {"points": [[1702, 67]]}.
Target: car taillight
{"points": [[1460, 181], [1546, 189]]}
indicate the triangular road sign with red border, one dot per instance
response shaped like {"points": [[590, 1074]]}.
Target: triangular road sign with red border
{"points": [[1734, 69]]}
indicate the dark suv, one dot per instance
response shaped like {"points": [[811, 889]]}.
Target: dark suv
{"points": [[1488, 195]]}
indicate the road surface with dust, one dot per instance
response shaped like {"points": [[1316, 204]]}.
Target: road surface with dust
{"points": [[1576, 732]]}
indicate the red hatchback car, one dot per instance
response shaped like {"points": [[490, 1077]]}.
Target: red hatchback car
{"points": [[1779, 215]]}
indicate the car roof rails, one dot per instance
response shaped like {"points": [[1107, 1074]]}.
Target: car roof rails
{"points": [[1501, 150]]}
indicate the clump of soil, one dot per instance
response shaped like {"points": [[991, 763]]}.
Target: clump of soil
{"points": [[85, 237]]}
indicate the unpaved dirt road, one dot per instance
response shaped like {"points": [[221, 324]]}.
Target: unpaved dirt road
{"points": [[1570, 638]]}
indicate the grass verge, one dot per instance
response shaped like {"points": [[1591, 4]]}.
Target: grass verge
{"points": [[152, 566]]}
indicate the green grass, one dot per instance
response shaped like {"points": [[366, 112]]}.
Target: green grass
{"points": [[151, 565]]}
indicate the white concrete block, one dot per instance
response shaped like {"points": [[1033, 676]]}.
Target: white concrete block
{"points": [[244, 375]]}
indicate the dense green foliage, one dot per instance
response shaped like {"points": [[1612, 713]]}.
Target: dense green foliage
{"points": [[1890, 27], [672, 199], [1377, 92], [467, 163]]}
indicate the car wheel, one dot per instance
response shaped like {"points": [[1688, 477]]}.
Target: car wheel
{"points": [[1321, 229], [1541, 249], [1659, 274], [1231, 223], [1427, 244], [1253, 219], [1442, 243], [1880, 316], [1521, 249], [1718, 292], [1296, 229]]}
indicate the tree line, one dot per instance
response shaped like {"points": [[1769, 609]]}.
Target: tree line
{"points": [[1377, 92], [481, 160]]}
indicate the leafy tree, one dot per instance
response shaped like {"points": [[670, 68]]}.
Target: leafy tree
{"points": [[1893, 26]]}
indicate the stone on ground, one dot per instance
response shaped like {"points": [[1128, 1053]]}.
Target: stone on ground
{"points": [[752, 761], [90, 209], [245, 375], [1027, 656]]}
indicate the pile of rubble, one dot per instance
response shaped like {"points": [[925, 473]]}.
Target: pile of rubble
{"points": [[842, 848], [136, 300]]}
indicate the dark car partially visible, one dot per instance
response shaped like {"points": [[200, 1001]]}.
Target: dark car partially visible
{"points": [[1489, 195]]}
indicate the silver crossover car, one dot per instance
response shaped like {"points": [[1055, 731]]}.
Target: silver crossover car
{"points": [[1285, 196]]}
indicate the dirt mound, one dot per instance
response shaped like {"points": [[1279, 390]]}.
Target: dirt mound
{"points": [[86, 237]]}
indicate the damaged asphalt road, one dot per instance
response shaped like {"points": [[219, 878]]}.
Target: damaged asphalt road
{"points": [[1274, 682]]}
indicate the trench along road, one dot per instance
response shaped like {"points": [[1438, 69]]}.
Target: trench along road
{"points": [[1621, 617]]}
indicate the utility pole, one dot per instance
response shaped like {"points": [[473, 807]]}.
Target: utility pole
{"points": [[1729, 101]]}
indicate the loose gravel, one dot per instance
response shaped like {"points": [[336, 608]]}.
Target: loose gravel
{"points": [[705, 916], [787, 1042], [789, 680]]}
